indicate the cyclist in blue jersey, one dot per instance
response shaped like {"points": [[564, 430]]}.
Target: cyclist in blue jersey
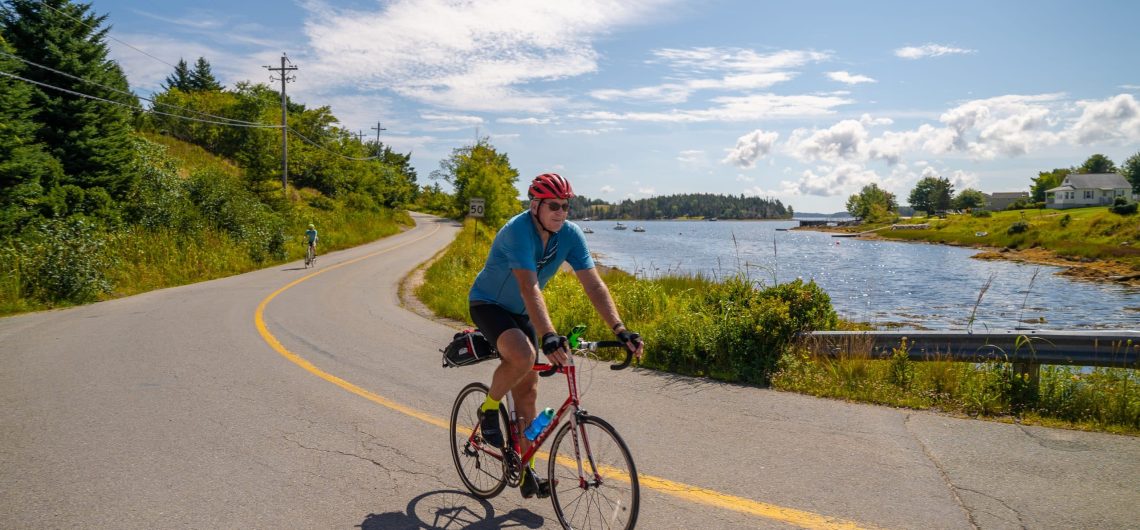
{"points": [[311, 237], [507, 305]]}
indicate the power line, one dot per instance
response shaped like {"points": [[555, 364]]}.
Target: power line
{"points": [[45, 4], [318, 146], [113, 89], [135, 107]]}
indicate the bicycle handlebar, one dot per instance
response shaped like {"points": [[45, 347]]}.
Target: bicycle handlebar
{"points": [[593, 346]]}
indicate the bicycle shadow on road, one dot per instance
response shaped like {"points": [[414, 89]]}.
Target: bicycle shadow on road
{"points": [[449, 510]]}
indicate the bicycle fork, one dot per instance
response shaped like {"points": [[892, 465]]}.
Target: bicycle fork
{"points": [[579, 443]]}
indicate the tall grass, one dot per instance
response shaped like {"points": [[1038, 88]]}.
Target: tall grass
{"points": [[1102, 399]]}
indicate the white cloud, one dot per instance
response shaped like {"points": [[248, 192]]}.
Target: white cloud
{"points": [[963, 179], [607, 189], [845, 140], [524, 121], [730, 69], [848, 78], [745, 178], [691, 156], [929, 50], [750, 148], [647, 191], [452, 118], [732, 109], [1130, 87], [868, 121], [463, 55], [836, 180], [707, 59], [591, 132], [1008, 125], [1113, 119]]}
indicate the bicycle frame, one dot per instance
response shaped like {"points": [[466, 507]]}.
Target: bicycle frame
{"points": [[572, 405]]}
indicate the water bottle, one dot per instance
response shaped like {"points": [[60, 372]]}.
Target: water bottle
{"points": [[540, 422]]}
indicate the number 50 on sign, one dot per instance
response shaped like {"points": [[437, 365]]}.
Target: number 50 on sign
{"points": [[476, 207]]}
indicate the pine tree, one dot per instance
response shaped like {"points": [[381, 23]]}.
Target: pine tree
{"points": [[26, 169], [92, 139], [202, 78], [180, 79]]}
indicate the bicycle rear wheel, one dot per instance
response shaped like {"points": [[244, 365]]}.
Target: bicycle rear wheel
{"points": [[481, 467], [606, 494]]}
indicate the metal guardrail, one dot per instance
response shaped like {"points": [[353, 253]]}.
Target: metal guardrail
{"points": [[1110, 348]]}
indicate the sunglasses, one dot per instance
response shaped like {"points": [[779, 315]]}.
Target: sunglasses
{"points": [[555, 206]]}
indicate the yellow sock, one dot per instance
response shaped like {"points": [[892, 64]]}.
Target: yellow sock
{"points": [[490, 404]]}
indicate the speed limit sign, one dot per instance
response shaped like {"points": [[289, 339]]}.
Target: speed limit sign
{"points": [[476, 207]]}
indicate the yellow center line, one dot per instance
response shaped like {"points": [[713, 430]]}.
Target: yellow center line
{"points": [[687, 492]]}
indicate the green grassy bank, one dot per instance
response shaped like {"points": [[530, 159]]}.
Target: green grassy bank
{"points": [[1078, 234], [736, 330]]}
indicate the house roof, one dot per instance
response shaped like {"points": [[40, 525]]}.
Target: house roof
{"points": [[1097, 181], [1066, 187]]}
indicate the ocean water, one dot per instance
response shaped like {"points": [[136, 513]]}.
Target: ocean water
{"points": [[885, 283]]}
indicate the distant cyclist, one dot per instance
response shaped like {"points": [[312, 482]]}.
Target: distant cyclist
{"points": [[311, 238], [507, 305]]}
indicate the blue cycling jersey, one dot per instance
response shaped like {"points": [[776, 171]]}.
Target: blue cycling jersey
{"points": [[311, 236], [518, 245]]}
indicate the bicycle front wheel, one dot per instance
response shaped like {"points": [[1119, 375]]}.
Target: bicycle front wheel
{"points": [[480, 466], [605, 494]]}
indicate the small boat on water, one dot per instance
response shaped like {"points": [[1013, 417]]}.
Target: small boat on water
{"points": [[639, 229], [587, 230], [619, 226], [712, 219]]}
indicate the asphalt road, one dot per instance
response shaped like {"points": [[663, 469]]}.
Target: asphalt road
{"points": [[294, 398]]}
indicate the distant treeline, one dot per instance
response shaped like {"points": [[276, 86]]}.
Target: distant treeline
{"points": [[691, 205]]}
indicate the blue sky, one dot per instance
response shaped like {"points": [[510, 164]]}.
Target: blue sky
{"points": [[803, 101]]}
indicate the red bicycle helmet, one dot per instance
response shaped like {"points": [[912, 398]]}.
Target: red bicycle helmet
{"points": [[550, 186]]}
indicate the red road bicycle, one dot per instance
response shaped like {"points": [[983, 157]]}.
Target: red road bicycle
{"points": [[592, 476]]}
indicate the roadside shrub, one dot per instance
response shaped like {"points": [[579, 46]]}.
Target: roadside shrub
{"points": [[736, 332], [1121, 206], [982, 213], [1018, 227], [901, 372], [63, 261], [232, 209], [159, 200], [322, 202], [1065, 220]]}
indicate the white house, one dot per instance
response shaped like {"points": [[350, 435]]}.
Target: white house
{"points": [[1093, 189]]}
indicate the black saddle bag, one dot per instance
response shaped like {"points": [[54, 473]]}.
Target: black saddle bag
{"points": [[466, 348]]}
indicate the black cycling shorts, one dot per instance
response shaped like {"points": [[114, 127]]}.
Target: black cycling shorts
{"points": [[494, 320]]}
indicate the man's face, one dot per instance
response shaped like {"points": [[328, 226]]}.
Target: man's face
{"points": [[550, 217]]}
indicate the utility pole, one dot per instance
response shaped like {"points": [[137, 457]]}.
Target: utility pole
{"points": [[284, 116], [360, 136], [378, 128]]}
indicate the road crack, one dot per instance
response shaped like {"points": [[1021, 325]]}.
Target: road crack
{"points": [[1020, 521], [942, 472]]}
